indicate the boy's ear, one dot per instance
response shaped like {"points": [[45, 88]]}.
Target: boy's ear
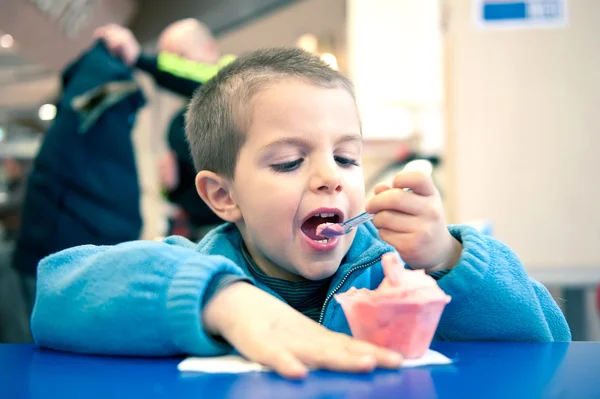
{"points": [[216, 192]]}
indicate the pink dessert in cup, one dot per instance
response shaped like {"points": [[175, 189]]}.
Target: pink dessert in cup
{"points": [[401, 314]]}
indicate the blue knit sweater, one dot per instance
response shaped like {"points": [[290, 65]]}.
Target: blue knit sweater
{"points": [[145, 298]]}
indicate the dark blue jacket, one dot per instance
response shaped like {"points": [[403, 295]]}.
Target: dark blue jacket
{"points": [[83, 188], [185, 194]]}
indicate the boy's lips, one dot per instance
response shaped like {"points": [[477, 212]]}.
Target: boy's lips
{"points": [[321, 246]]}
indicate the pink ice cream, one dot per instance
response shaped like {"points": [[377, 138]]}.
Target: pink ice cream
{"points": [[401, 314], [332, 230]]}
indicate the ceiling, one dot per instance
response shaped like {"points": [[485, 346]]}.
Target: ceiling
{"points": [[221, 16], [26, 84]]}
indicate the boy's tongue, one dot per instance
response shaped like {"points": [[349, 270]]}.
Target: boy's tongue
{"points": [[310, 226]]}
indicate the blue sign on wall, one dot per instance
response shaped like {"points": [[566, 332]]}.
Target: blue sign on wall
{"points": [[520, 13]]}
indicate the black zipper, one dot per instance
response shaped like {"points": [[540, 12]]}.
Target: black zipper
{"points": [[332, 293]]}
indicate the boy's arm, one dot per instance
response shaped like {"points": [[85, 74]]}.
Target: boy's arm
{"points": [[494, 299], [156, 299], [137, 298]]}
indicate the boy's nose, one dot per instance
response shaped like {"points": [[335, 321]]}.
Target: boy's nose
{"points": [[327, 179]]}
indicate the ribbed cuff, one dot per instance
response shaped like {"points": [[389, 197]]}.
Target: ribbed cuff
{"points": [[221, 281], [183, 307], [473, 265]]}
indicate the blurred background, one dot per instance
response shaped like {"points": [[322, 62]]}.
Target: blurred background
{"points": [[500, 96]]}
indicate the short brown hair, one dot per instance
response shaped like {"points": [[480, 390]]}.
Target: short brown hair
{"points": [[220, 112]]}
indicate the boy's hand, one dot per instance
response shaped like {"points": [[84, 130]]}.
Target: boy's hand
{"points": [[414, 222], [268, 331], [120, 41]]}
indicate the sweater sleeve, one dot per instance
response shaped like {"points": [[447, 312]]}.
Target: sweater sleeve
{"points": [[176, 84], [494, 299], [140, 298], [177, 74]]}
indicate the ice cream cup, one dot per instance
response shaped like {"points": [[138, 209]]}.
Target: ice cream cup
{"points": [[404, 325]]}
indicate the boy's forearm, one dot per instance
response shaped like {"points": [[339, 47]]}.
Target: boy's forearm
{"points": [[219, 312]]}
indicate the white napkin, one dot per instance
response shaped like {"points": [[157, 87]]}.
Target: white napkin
{"points": [[430, 357], [233, 364]]}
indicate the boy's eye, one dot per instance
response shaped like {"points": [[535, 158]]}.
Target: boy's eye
{"points": [[287, 166], [345, 161]]}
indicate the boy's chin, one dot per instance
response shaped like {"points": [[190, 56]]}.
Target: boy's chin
{"points": [[321, 272]]}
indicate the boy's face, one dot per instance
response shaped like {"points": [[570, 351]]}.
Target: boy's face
{"points": [[299, 167]]}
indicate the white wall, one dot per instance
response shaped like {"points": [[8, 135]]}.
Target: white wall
{"points": [[524, 142], [395, 62]]}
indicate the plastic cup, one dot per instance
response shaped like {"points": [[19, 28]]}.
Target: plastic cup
{"points": [[403, 326]]}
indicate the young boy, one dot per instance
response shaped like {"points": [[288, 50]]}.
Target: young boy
{"points": [[276, 137]]}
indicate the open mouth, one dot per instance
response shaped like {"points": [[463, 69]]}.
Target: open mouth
{"points": [[309, 227]]}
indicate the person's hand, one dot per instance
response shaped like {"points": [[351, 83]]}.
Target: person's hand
{"points": [[268, 331], [168, 170], [120, 41], [414, 222]]}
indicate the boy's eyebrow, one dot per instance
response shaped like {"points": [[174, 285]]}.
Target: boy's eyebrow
{"points": [[349, 137], [292, 141], [301, 142]]}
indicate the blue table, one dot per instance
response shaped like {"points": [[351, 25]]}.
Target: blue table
{"points": [[481, 370]]}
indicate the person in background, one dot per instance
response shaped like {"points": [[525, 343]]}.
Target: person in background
{"points": [[187, 54], [177, 172], [83, 188], [198, 58]]}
